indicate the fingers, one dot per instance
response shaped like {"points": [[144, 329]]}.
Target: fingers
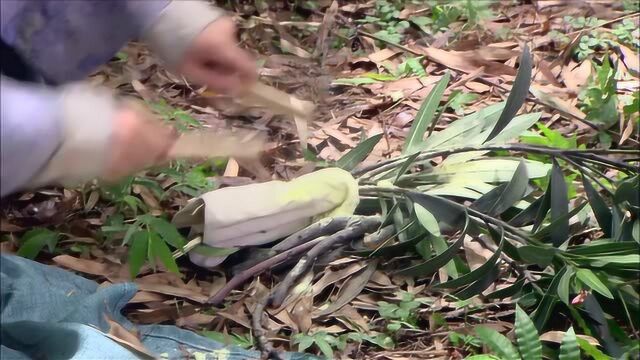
{"points": [[215, 60]]}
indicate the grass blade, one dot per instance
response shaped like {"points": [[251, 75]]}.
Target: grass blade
{"points": [[527, 336], [425, 116], [517, 96]]}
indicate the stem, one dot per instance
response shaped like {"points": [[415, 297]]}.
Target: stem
{"points": [[383, 166]]}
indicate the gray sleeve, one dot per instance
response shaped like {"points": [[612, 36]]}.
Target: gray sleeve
{"points": [[52, 136], [30, 132]]}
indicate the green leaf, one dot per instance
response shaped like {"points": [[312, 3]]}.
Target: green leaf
{"points": [[528, 215], [517, 96], [354, 157], [542, 256], [160, 250], [210, 251], [167, 232], [564, 286], [599, 207], [138, 252], [592, 350], [304, 342], [446, 213], [479, 285], [425, 116], [501, 198], [432, 265], [462, 130], [405, 166], [427, 220], [482, 357], [569, 349], [508, 291], [33, 241], [498, 343], [481, 271], [559, 205], [590, 279], [324, 347], [527, 336]]}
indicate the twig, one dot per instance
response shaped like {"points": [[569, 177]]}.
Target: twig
{"points": [[262, 342], [259, 269], [321, 228]]}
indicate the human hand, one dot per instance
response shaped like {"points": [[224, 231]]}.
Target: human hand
{"points": [[138, 141], [215, 60]]}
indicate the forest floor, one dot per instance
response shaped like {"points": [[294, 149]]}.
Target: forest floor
{"points": [[368, 67]]}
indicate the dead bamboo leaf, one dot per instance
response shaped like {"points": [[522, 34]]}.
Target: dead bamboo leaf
{"points": [[557, 336], [350, 289]]}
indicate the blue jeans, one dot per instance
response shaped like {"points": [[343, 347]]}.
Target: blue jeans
{"points": [[50, 313]]}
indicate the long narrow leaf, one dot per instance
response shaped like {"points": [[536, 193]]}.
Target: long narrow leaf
{"points": [[432, 265], [137, 252], [559, 205], [350, 160], [425, 116], [590, 279], [160, 250], [517, 96], [502, 198], [599, 207], [476, 274]]}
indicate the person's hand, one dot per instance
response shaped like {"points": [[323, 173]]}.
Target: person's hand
{"points": [[214, 59], [138, 141]]}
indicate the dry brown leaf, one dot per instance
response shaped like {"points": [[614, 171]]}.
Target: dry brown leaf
{"points": [[301, 310], [557, 336], [627, 132], [475, 253], [575, 77], [630, 59], [83, 265], [174, 291], [145, 297], [126, 338], [467, 62], [195, 321]]}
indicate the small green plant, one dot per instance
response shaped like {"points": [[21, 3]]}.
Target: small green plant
{"points": [[148, 238], [243, 341], [402, 314], [34, 240], [527, 339], [599, 100], [468, 343], [598, 41], [325, 342]]}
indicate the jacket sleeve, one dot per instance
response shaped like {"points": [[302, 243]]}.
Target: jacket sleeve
{"points": [[66, 40], [52, 135]]}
